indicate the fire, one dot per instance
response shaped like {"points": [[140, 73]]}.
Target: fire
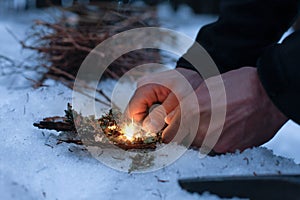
{"points": [[129, 130]]}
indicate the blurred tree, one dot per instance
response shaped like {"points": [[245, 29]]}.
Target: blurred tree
{"points": [[199, 6], [45, 3]]}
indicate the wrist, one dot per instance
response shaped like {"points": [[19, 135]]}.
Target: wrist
{"points": [[275, 115]]}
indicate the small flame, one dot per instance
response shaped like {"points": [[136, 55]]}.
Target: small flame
{"points": [[113, 127], [129, 131]]}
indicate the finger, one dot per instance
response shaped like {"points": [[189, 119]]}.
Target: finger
{"points": [[155, 121], [143, 98], [170, 132], [169, 117], [170, 103], [183, 124]]}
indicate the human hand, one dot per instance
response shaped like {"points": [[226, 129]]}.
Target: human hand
{"points": [[251, 117], [164, 88]]}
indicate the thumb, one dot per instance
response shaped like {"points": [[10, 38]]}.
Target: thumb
{"points": [[170, 116], [154, 122]]}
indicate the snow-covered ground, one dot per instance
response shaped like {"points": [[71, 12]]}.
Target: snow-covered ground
{"points": [[32, 166]]}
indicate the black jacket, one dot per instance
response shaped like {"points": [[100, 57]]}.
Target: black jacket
{"points": [[246, 34]]}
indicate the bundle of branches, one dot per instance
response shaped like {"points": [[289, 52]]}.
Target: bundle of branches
{"points": [[107, 131], [63, 45]]}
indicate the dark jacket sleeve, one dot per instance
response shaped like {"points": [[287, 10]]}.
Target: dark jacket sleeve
{"points": [[279, 72], [243, 30], [249, 29]]}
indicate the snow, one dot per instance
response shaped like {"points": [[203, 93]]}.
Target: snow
{"points": [[32, 166]]}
